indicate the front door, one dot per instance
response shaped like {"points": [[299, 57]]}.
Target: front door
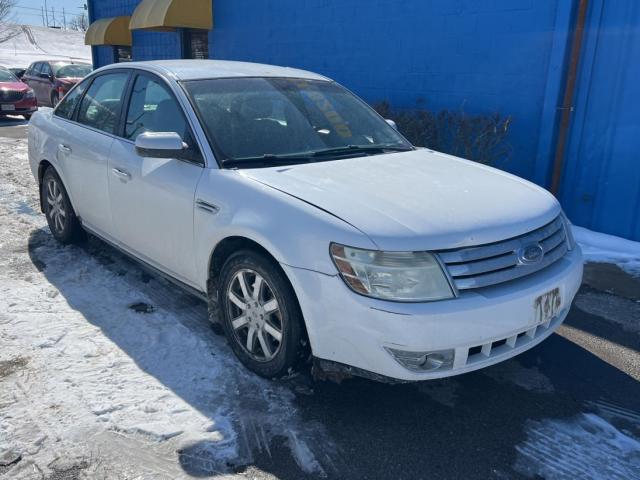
{"points": [[152, 199]]}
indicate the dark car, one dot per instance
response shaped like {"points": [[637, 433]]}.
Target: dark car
{"points": [[52, 79], [18, 71], [16, 98]]}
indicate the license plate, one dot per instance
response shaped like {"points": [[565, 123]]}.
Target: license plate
{"points": [[547, 306], [8, 107]]}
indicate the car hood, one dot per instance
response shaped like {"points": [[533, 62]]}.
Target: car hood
{"points": [[417, 200], [14, 86]]}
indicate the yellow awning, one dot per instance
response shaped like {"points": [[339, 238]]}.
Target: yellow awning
{"points": [[109, 31], [170, 14]]}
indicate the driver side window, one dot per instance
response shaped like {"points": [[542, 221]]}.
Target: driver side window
{"points": [[153, 108]]}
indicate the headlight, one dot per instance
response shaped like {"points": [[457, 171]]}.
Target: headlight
{"points": [[29, 94], [398, 276], [568, 231]]}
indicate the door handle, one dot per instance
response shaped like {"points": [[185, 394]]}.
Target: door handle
{"points": [[123, 174], [64, 149]]}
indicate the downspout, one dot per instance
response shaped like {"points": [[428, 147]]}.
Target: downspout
{"points": [[569, 92]]}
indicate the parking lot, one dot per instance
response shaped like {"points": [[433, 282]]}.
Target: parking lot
{"points": [[93, 388]]}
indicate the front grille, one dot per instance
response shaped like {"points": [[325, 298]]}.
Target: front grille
{"points": [[494, 263], [10, 95]]}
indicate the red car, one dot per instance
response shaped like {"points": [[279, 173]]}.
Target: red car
{"points": [[16, 98], [52, 79]]}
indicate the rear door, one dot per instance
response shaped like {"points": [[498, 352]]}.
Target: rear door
{"points": [[90, 116], [152, 199]]}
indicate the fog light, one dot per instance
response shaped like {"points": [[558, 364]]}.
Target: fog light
{"points": [[423, 361]]}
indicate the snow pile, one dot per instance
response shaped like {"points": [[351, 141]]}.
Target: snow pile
{"points": [[88, 383], [23, 44], [600, 247]]}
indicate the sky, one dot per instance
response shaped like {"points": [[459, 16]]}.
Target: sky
{"points": [[30, 11]]}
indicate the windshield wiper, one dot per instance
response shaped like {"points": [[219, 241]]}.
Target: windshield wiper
{"points": [[350, 149], [267, 159], [270, 159]]}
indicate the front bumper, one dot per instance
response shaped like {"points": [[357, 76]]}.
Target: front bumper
{"points": [[22, 107], [357, 331]]}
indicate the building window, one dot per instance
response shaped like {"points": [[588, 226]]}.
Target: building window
{"points": [[122, 54], [195, 44]]}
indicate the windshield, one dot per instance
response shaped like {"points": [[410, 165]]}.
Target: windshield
{"points": [[270, 118], [72, 71], [7, 76]]}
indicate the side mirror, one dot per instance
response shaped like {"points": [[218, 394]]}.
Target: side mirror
{"points": [[160, 145], [392, 123]]}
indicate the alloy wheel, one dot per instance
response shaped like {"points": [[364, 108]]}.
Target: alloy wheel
{"points": [[56, 207], [255, 315]]}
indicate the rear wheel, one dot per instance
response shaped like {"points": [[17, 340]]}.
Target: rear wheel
{"points": [[260, 313], [62, 220]]}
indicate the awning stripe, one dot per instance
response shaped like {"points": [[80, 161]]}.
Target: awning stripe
{"points": [[109, 31], [170, 14]]}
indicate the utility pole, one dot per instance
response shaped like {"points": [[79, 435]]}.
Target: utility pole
{"points": [[42, 13], [46, 12], [64, 18]]}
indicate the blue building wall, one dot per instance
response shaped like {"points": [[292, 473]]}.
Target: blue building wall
{"points": [[146, 45], [480, 56], [601, 179]]}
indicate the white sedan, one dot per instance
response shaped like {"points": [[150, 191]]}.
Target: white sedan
{"points": [[309, 224]]}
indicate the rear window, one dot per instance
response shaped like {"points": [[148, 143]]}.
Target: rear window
{"points": [[72, 70]]}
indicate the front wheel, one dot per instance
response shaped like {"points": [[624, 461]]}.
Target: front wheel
{"points": [[62, 220], [27, 116], [260, 313]]}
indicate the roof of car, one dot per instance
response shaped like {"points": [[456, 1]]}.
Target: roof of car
{"points": [[201, 69]]}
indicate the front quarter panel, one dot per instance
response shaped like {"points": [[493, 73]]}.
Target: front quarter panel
{"points": [[295, 233]]}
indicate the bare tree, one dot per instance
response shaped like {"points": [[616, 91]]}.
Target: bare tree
{"points": [[80, 22], [6, 11], [7, 28]]}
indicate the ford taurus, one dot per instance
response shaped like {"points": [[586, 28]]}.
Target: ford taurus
{"points": [[312, 227]]}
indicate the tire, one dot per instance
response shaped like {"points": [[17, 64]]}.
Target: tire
{"points": [[27, 116], [55, 99], [271, 312], [61, 217]]}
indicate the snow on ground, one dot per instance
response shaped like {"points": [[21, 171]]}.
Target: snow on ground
{"points": [[600, 247], [570, 449], [88, 383], [25, 44]]}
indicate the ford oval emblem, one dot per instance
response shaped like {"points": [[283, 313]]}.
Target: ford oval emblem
{"points": [[530, 254]]}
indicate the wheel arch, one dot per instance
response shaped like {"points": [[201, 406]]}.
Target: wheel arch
{"points": [[227, 247]]}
